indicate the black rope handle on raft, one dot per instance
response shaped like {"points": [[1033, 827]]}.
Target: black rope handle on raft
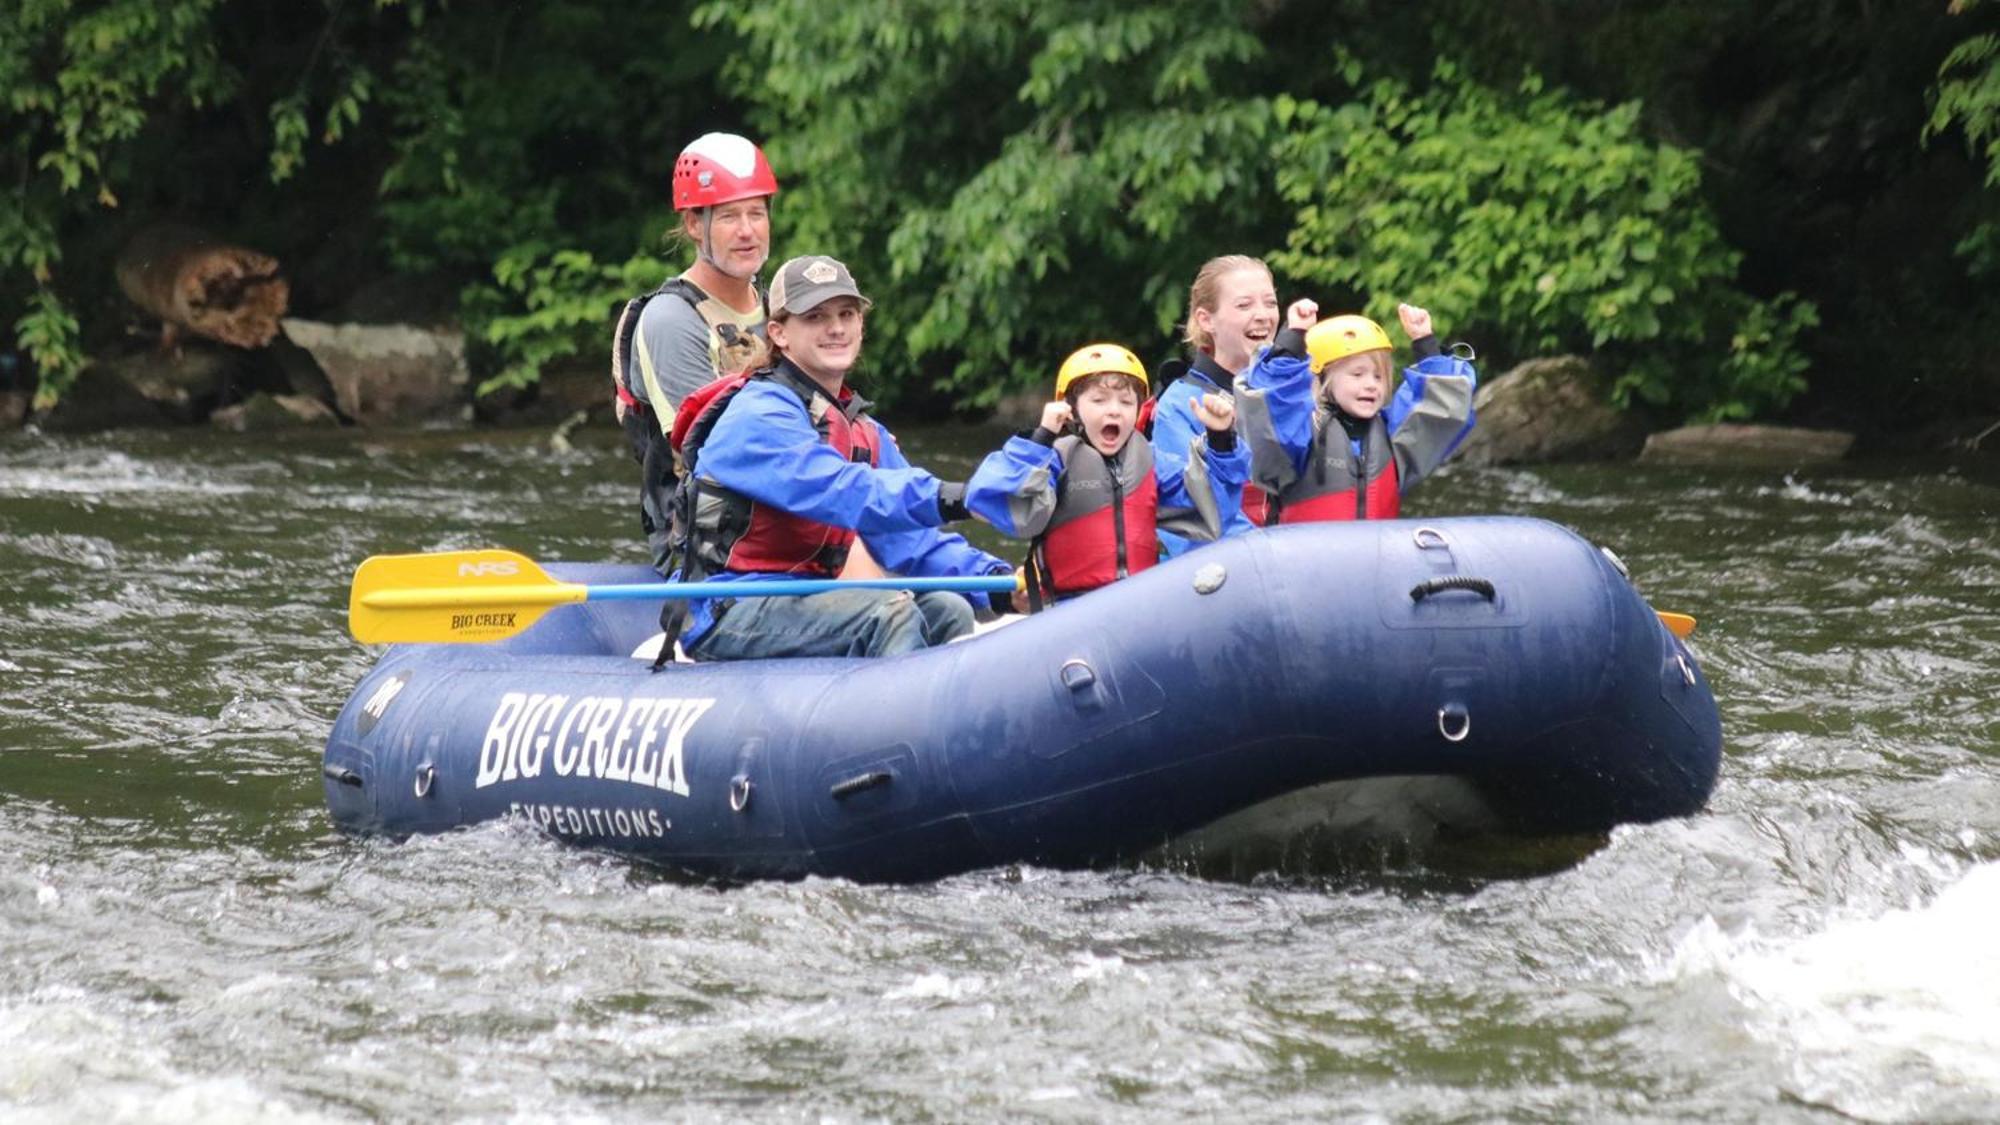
{"points": [[1425, 589]]}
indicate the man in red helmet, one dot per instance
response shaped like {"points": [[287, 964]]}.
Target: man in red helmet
{"points": [[711, 321]]}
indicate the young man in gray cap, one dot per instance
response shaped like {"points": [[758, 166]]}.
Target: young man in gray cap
{"points": [[792, 472]]}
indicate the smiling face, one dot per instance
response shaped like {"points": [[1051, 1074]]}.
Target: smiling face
{"points": [[1107, 410], [1244, 318], [1358, 384], [739, 235], [824, 341]]}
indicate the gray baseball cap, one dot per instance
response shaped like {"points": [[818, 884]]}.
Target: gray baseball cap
{"points": [[804, 284]]}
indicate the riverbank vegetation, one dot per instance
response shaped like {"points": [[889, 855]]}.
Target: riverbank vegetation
{"points": [[1741, 211]]}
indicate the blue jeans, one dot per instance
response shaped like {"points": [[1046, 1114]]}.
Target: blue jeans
{"points": [[836, 623]]}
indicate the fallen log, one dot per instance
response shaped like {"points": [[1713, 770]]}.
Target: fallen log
{"points": [[194, 282]]}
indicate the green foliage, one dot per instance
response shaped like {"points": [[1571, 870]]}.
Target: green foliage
{"points": [[455, 136], [48, 333], [479, 111], [1967, 95], [1100, 152], [1764, 364], [552, 304], [1534, 222], [27, 240], [77, 80], [1009, 180], [1014, 177]]}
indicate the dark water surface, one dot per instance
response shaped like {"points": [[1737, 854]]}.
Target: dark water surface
{"points": [[184, 938]]}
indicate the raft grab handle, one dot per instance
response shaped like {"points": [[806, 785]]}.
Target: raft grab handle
{"points": [[1430, 586], [859, 782]]}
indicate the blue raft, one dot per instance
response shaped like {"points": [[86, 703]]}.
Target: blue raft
{"points": [[1508, 654]]}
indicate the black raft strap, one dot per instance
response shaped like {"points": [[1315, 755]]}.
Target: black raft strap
{"points": [[674, 611], [1431, 586], [673, 618]]}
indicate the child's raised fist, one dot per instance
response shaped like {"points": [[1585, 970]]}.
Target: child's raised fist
{"points": [[1303, 314], [1056, 416], [1416, 321]]}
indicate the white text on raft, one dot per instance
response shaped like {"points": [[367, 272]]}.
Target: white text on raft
{"points": [[639, 741]]}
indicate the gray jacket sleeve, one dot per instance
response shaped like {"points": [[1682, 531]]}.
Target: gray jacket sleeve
{"points": [[1433, 413], [1276, 411], [676, 339]]}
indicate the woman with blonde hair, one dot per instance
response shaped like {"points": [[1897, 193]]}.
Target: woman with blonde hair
{"points": [[1232, 313]]}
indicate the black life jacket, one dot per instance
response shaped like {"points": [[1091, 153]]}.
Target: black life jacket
{"points": [[1163, 377], [645, 433]]}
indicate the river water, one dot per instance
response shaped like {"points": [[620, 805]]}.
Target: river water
{"points": [[183, 937]]}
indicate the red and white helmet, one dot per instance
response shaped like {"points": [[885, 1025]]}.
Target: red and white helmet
{"points": [[720, 168]]}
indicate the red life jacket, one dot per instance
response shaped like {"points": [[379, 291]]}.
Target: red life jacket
{"points": [[729, 531], [1104, 525], [1333, 488], [1256, 505], [703, 405]]}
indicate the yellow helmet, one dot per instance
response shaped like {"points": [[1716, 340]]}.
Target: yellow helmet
{"points": [[1343, 336], [1100, 359]]}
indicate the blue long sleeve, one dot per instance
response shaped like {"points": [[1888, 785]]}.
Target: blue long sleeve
{"points": [[1014, 488], [1211, 486], [1274, 404], [1430, 414], [1174, 424], [927, 551], [765, 447], [1177, 436]]}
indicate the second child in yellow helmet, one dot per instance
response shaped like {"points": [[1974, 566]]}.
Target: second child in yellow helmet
{"points": [[1327, 439], [1085, 488]]}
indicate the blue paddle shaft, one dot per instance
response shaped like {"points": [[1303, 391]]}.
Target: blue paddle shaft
{"points": [[793, 587]]}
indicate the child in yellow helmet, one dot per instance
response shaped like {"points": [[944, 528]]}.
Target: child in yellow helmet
{"points": [[1085, 487], [1327, 439]]}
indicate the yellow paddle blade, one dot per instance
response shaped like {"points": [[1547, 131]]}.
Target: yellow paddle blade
{"points": [[451, 596], [1679, 624]]}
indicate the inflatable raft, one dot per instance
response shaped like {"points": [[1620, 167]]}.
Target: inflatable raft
{"points": [[1507, 654]]}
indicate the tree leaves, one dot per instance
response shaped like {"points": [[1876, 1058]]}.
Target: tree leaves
{"points": [[1015, 179], [1533, 221]]}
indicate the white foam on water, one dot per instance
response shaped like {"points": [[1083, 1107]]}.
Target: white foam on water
{"points": [[1793, 490], [938, 986], [119, 473], [1890, 1018], [77, 550], [1089, 966], [63, 1057], [1527, 488]]}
